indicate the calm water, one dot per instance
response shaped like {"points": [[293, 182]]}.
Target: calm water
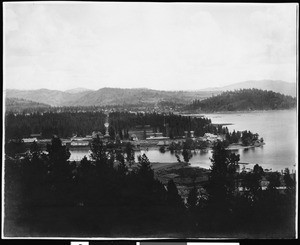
{"points": [[278, 128]]}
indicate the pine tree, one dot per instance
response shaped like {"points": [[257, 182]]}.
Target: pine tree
{"points": [[192, 200]]}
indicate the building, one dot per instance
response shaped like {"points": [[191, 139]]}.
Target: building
{"points": [[29, 140], [158, 134], [151, 135], [163, 143], [157, 138], [96, 134], [80, 141], [212, 137], [141, 131], [134, 137], [66, 142]]}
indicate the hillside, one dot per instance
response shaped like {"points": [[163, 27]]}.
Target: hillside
{"points": [[118, 96], [244, 99], [47, 96], [138, 96], [17, 105], [106, 96]]}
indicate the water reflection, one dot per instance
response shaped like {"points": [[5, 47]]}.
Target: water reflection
{"points": [[278, 153]]}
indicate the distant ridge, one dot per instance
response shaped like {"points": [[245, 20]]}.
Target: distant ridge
{"points": [[77, 90], [122, 96], [107, 96], [277, 86], [47, 96], [139, 96]]}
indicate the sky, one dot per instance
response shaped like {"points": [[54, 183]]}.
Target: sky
{"points": [[165, 46]]}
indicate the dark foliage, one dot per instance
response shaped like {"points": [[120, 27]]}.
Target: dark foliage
{"points": [[17, 105], [47, 195], [244, 99], [246, 138], [52, 195], [65, 123]]}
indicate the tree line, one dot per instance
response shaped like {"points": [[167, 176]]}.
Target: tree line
{"points": [[245, 137], [17, 105], [244, 99], [46, 194], [82, 123]]}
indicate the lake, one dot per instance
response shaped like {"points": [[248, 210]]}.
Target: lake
{"points": [[278, 128]]}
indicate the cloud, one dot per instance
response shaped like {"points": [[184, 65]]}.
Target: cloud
{"points": [[275, 31], [11, 22], [145, 45]]}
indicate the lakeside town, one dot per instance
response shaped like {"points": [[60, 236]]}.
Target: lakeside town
{"points": [[40, 170], [190, 185], [143, 138], [140, 121]]}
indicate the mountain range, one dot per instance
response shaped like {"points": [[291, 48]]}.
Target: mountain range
{"points": [[77, 90], [140, 96], [106, 96]]}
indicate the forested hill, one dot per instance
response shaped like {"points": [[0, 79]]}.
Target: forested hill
{"points": [[274, 85], [244, 99], [22, 105]]}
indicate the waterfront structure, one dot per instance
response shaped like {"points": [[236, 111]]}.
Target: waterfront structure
{"points": [[29, 140], [79, 141], [157, 138]]}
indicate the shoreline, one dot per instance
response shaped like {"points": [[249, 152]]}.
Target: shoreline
{"points": [[146, 148], [233, 147], [203, 114]]}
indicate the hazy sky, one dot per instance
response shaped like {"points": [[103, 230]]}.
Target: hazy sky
{"points": [[168, 46]]}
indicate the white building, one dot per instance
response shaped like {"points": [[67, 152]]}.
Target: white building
{"points": [[79, 143], [212, 137], [29, 140], [157, 138]]}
